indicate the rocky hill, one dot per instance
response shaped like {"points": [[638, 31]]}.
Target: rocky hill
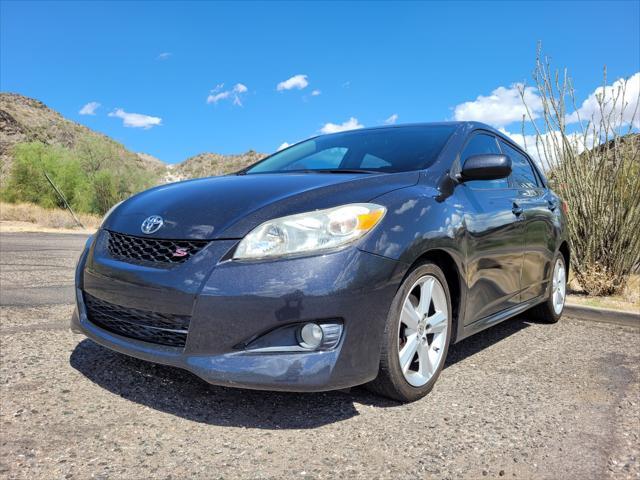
{"points": [[207, 164], [24, 119]]}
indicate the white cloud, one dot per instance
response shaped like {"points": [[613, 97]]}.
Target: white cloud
{"points": [[218, 94], [315, 93], [392, 119], [240, 88], [502, 107], [283, 146], [216, 97], [351, 124], [235, 93], [89, 109], [297, 81], [622, 109], [136, 120], [164, 56]]}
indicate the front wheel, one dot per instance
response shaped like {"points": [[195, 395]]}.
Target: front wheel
{"points": [[416, 337]]}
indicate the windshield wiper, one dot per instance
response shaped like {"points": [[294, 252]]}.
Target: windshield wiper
{"points": [[345, 170], [311, 170]]}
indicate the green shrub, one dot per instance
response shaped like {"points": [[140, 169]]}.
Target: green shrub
{"points": [[27, 182], [93, 176], [105, 191]]}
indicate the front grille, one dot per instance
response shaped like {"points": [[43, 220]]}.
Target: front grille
{"points": [[150, 250], [153, 327]]}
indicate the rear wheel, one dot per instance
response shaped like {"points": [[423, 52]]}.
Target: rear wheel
{"points": [[417, 336], [551, 309]]}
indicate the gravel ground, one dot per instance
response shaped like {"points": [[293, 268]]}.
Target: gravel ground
{"points": [[521, 400]]}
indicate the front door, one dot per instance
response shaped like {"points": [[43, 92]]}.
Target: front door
{"points": [[494, 238]]}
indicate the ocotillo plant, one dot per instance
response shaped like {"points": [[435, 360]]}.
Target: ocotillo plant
{"points": [[593, 164]]}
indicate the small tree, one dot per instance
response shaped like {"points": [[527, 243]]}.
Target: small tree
{"points": [[593, 164]]}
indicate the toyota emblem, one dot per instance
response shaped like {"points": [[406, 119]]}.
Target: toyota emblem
{"points": [[152, 224]]}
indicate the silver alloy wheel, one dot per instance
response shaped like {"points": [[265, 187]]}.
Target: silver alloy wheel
{"points": [[559, 286], [422, 331]]}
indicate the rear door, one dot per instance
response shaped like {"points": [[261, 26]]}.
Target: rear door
{"points": [[494, 238], [538, 213]]}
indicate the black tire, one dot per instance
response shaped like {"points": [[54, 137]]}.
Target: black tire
{"points": [[544, 312], [390, 381]]}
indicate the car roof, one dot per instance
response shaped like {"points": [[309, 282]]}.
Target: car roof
{"points": [[463, 128], [469, 125]]}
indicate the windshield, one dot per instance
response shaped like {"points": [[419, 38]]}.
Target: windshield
{"points": [[381, 150]]}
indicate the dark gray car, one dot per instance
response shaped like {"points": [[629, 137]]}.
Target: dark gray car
{"points": [[345, 259]]}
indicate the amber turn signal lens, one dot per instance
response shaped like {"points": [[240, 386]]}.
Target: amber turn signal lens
{"points": [[367, 221]]}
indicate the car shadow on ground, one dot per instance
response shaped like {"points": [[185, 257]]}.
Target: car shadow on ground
{"points": [[178, 392]]}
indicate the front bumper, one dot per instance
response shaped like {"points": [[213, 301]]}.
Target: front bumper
{"points": [[241, 300]]}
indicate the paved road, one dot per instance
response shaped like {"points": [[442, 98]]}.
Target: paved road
{"points": [[521, 400], [37, 268]]}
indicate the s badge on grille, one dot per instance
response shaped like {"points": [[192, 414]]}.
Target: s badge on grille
{"points": [[152, 224]]}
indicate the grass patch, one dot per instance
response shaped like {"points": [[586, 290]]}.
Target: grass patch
{"points": [[45, 217]]}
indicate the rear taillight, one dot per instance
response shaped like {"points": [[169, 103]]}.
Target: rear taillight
{"points": [[565, 207]]}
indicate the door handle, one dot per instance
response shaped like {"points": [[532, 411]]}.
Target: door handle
{"points": [[517, 209]]}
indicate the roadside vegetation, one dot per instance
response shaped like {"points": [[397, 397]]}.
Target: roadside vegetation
{"points": [[595, 167], [20, 214], [91, 176], [90, 171]]}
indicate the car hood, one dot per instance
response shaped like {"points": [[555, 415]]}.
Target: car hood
{"points": [[231, 206]]}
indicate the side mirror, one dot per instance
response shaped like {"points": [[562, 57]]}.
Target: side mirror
{"points": [[486, 167]]}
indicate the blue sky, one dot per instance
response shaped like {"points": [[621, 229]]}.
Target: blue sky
{"points": [[367, 62]]}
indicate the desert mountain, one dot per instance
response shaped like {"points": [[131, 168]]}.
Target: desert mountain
{"points": [[24, 119]]}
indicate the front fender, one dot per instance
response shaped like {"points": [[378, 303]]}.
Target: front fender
{"points": [[415, 223]]}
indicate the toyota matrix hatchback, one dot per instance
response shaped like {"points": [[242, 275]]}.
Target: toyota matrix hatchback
{"points": [[351, 258]]}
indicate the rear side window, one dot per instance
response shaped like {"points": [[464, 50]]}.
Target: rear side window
{"points": [[481, 144], [522, 174]]}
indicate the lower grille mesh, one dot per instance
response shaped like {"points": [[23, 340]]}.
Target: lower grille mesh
{"points": [[153, 327]]}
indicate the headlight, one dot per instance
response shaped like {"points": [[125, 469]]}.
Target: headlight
{"points": [[310, 232], [106, 215]]}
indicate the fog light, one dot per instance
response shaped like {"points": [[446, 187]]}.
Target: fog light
{"points": [[310, 335]]}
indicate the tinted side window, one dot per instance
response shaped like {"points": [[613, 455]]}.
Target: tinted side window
{"points": [[522, 175], [480, 144]]}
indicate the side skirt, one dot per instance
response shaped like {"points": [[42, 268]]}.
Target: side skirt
{"points": [[496, 318]]}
